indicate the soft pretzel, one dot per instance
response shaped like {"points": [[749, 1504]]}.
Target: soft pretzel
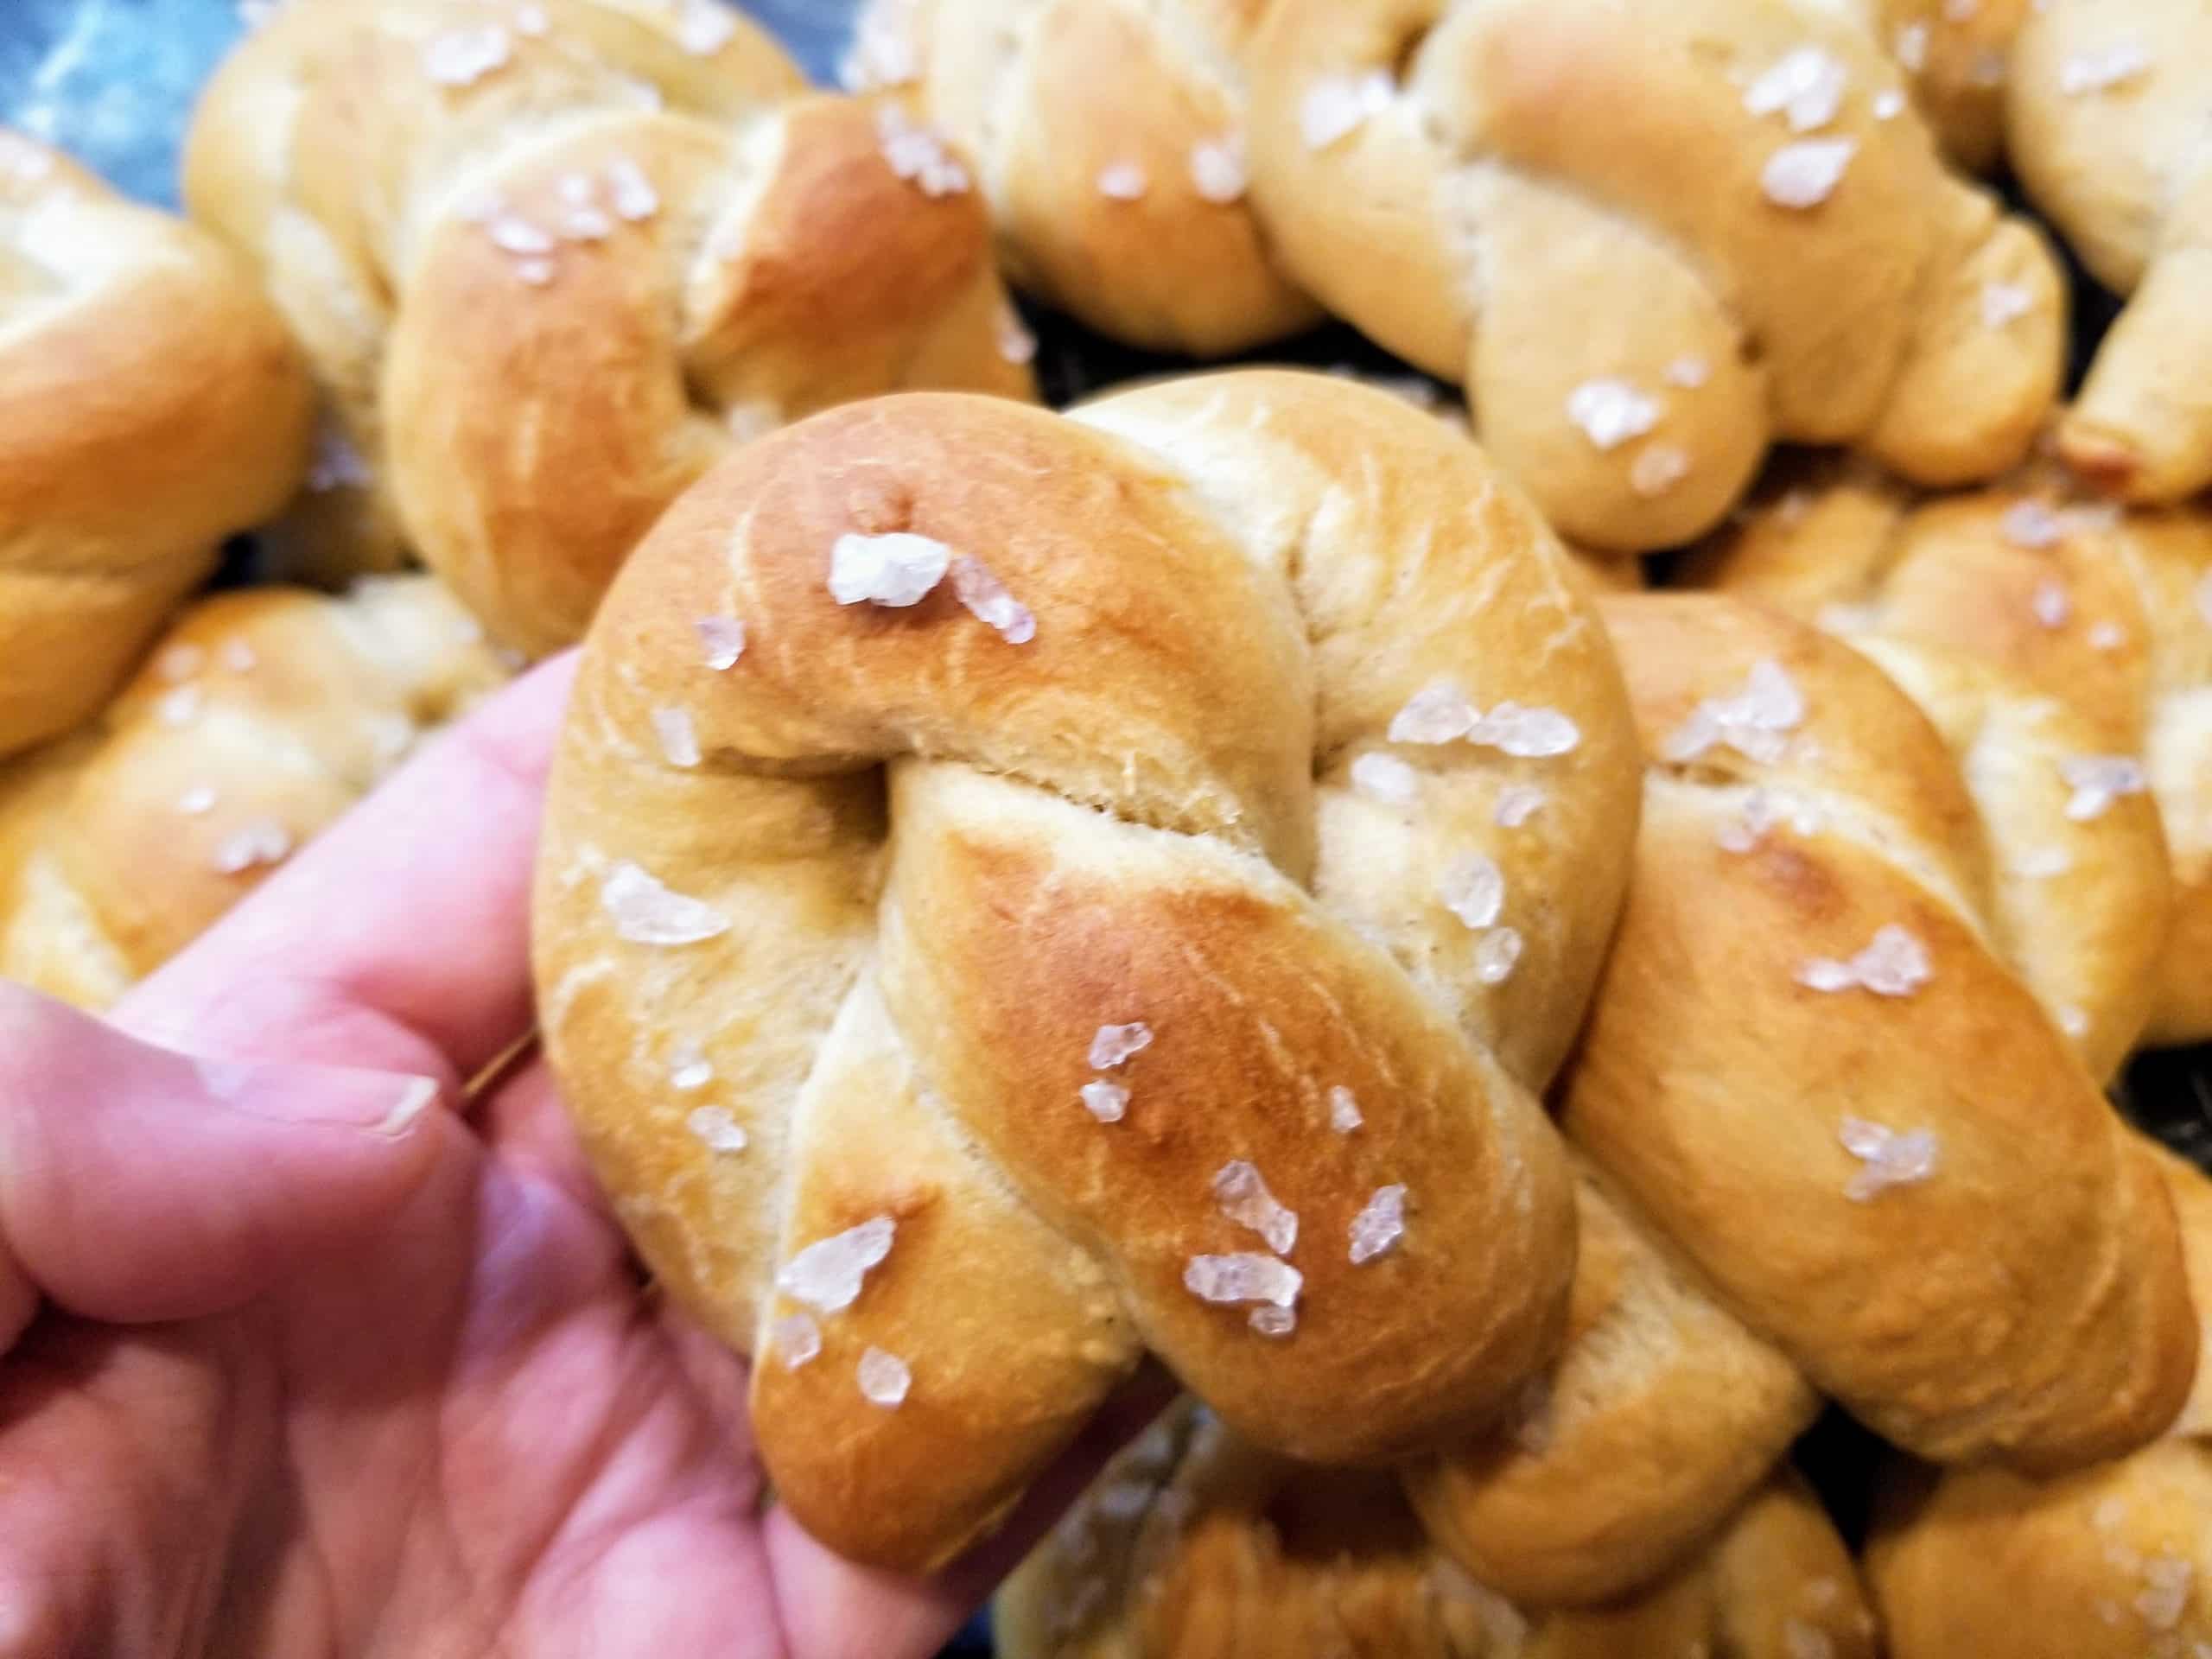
{"points": [[2106, 119], [551, 259], [259, 718], [150, 405], [1955, 56], [1809, 1062], [2110, 1562], [1108, 139], [1017, 939], [2109, 614], [1195, 1545], [1651, 237]]}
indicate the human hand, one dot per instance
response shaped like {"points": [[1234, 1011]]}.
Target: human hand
{"points": [[306, 1354]]}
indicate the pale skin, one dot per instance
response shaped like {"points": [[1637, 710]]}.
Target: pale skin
{"points": [[304, 1359]]}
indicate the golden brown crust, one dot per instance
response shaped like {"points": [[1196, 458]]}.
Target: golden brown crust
{"points": [[1068, 106], [1113, 822], [150, 405], [1721, 1078], [1514, 218], [2109, 614], [542, 295], [260, 717]]}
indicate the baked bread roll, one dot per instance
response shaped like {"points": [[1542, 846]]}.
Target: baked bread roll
{"points": [[1194, 1545], [150, 405], [1108, 139], [2112, 1562], [1955, 56], [2106, 121], [551, 260], [2110, 615], [1019, 891], [1650, 239], [1809, 1062], [260, 717]]}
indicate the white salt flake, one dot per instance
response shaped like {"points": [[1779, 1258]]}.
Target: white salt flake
{"points": [[1688, 372], [987, 600], [1336, 106], [1754, 722], [1892, 1159], [2108, 636], [586, 224], [897, 570], [2100, 70], [179, 706], [2164, 1596], [1804, 175], [1113, 1045], [1106, 1101], [1894, 964], [645, 913], [1888, 104], [1803, 1641], [259, 843], [884, 1379], [717, 1130], [1218, 169], [1435, 714], [2050, 604], [1658, 469], [1344, 1110], [1473, 889], [689, 1068], [1122, 181], [465, 56], [1911, 47], [1016, 344], [884, 53], [535, 273], [1242, 1193], [827, 1275], [721, 641], [1270, 1321], [1526, 733], [1748, 828], [196, 802], [1242, 1276], [1517, 803], [918, 153], [1385, 777], [1805, 87], [180, 662], [2005, 304], [797, 1339], [2043, 863], [511, 233], [2032, 525], [2073, 1020], [1610, 411], [631, 191], [2098, 780], [679, 739], [1496, 954], [531, 23], [239, 657], [703, 27], [1379, 1225]]}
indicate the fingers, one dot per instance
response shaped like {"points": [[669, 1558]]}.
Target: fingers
{"points": [[139, 1186], [831, 1608], [399, 938]]}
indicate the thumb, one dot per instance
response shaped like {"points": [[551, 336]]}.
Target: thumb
{"points": [[139, 1186]]}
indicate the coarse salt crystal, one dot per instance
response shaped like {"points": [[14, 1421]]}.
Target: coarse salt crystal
{"points": [[827, 1275], [918, 153], [631, 191], [239, 657], [1753, 721], [897, 570], [533, 22], [1385, 777], [1805, 87], [2098, 780], [1688, 372], [1015, 343], [884, 53], [1379, 1225], [466, 55], [511, 233], [1344, 1110], [2050, 603], [1496, 954], [1242, 1192], [1122, 181], [702, 27], [179, 706], [1804, 175], [586, 224], [1526, 733], [1658, 469], [689, 1067], [721, 641], [1890, 1158], [1336, 106], [1517, 803], [2003, 303], [2043, 863], [2108, 636], [679, 739], [884, 1379], [2166, 1593], [1889, 104], [1218, 171], [1242, 1276], [717, 1130], [2031, 525], [987, 599], [1911, 47], [2099, 70], [1114, 1044], [2073, 1020], [536, 273], [1473, 889], [1610, 411], [1435, 714], [797, 1339], [1106, 1101], [646, 913], [1894, 964], [196, 802], [1271, 1321], [263, 841]]}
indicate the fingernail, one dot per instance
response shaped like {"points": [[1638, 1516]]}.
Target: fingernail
{"points": [[387, 1105]]}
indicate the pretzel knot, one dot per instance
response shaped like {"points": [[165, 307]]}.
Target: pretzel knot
{"points": [[1136, 920], [1652, 240]]}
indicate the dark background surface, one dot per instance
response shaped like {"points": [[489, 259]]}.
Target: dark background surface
{"points": [[112, 81]]}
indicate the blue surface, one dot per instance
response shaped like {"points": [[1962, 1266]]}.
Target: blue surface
{"points": [[112, 81]]}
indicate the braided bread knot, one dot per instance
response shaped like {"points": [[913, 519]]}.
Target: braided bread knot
{"points": [[1022, 891]]}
